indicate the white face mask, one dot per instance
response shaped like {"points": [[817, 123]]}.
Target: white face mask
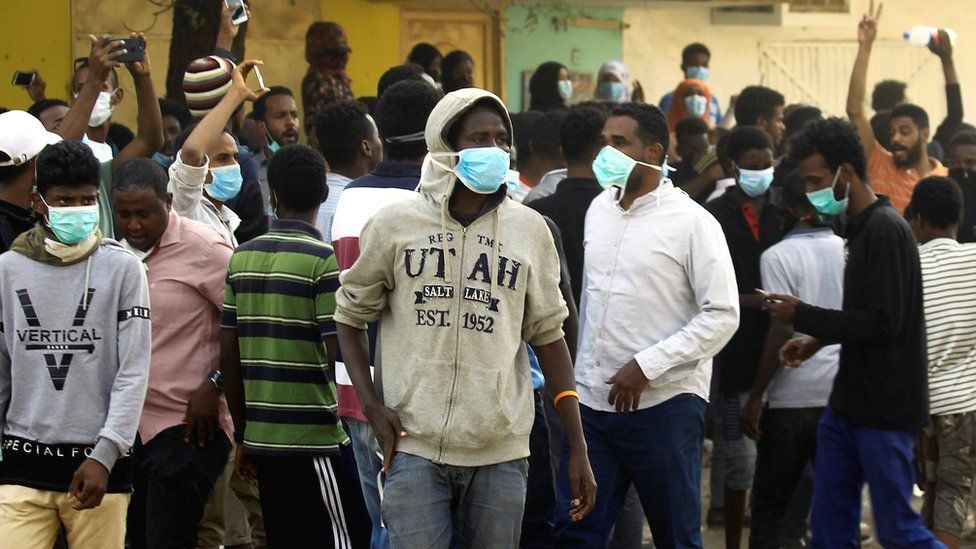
{"points": [[102, 110]]}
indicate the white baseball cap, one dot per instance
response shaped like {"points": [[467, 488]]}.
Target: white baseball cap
{"points": [[22, 137]]}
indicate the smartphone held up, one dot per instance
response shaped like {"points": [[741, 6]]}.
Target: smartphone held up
{"points": [[23, 79], [238, 13]]}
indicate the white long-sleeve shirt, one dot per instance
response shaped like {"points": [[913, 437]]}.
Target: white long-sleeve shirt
{"points": [[186, 184], [659, 286]]}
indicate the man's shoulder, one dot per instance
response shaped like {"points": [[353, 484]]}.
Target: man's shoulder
{"points": [[111, 250], [299, 247], [201, 234]]}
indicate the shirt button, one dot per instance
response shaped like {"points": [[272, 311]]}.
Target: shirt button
{"points": [[608, 273], [598, 364]]}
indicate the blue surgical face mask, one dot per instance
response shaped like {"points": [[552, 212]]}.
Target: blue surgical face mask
{"points": [[695, 105], [163, 160], [698, 73], [513, 181], [273, 145], [611, 91], [482, 169], [824, 201], [227, 181], [612, 167], [272, 214], [565, 89], [72, 224], [755, 182]]}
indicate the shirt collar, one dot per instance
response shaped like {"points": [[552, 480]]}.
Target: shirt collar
{"points": [[333, 177], [664, 188], [937, 242], [810, 231], [172, 234], [576, 183], [857, 223], [294, 225], [390, 168], [261, 159]]}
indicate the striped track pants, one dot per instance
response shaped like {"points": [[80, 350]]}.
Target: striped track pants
{"points": [[313, 501]]}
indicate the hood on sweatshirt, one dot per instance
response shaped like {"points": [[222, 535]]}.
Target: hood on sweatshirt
{"points": [[436, 183]]}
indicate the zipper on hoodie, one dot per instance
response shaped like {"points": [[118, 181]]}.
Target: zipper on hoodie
{"points": [[457, 350]]}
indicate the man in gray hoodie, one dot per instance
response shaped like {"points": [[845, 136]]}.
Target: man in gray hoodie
{"points": [[74, 361], [458, 277]]}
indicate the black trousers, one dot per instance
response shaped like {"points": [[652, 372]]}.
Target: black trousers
{"points": [[313, 501], [540, 495], [788, 444], [172, 484]]}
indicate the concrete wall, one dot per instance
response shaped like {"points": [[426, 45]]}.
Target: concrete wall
{"points": [[652, 46], [35, 35], [579, 48], [276, 35]]}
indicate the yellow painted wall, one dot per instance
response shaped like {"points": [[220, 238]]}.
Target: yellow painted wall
{"points": [[34, 35], [374, 36], [276, 35]]}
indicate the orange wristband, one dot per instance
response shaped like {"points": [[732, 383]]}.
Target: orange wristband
{"points": [[555, 401]]}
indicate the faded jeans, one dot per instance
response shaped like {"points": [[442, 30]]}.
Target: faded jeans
{"points": [[424, 503], [369, 463]]}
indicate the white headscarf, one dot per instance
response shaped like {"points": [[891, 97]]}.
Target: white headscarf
{"points": [[619, 70]]}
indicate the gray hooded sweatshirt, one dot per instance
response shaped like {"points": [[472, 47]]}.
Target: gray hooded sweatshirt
{"points": [[455, 369], [73, 363]]}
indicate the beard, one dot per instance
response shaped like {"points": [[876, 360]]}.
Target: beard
{"points": [[912, 157]]}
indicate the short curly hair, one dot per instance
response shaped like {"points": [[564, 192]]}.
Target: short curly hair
{"points": [[938, 200], [581, 134], [341, 127], [744, 138], [836, 140], [755, 102], [403, 110], [66, 164], [296, 176], [652, 124]]}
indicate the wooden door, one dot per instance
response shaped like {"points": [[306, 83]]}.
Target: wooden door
{"points": [[457, 27]]}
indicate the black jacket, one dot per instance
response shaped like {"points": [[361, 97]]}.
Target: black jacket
{"points": [[882, 381], [14, 220]]}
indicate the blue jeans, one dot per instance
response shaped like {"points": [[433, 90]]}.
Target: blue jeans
{"points": [[659, 450], [847, 457], [425, 502], [369, 463]]}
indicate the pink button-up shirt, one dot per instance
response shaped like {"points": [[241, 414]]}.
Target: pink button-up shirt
{"points": [[186, 273]]}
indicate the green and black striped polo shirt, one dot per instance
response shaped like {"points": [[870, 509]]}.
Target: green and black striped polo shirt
{"points": [[280, 298]]}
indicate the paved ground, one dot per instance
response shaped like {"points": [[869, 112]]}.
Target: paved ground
{"points": [[715, 538]]}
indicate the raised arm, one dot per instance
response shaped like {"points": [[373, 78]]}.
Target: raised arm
{"points": [[212, 126], [867, 31], [149, 125], [101, 61], [954, 110], [227, 33]]}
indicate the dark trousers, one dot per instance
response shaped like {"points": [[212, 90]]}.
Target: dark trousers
{"points": [[659, 451], [847, 457], [540, 495], [788, 443], [172, 484], [313, 501]]}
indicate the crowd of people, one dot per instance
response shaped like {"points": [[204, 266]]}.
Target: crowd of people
{"points": [[252, 350]]}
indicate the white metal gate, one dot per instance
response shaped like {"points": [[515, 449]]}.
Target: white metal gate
{"points": [[818, 73]]}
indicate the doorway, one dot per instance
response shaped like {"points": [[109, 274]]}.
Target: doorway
{"points": [[450, 27]]}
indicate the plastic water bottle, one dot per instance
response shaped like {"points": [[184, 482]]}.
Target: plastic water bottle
{"points": [[922, 36]]}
